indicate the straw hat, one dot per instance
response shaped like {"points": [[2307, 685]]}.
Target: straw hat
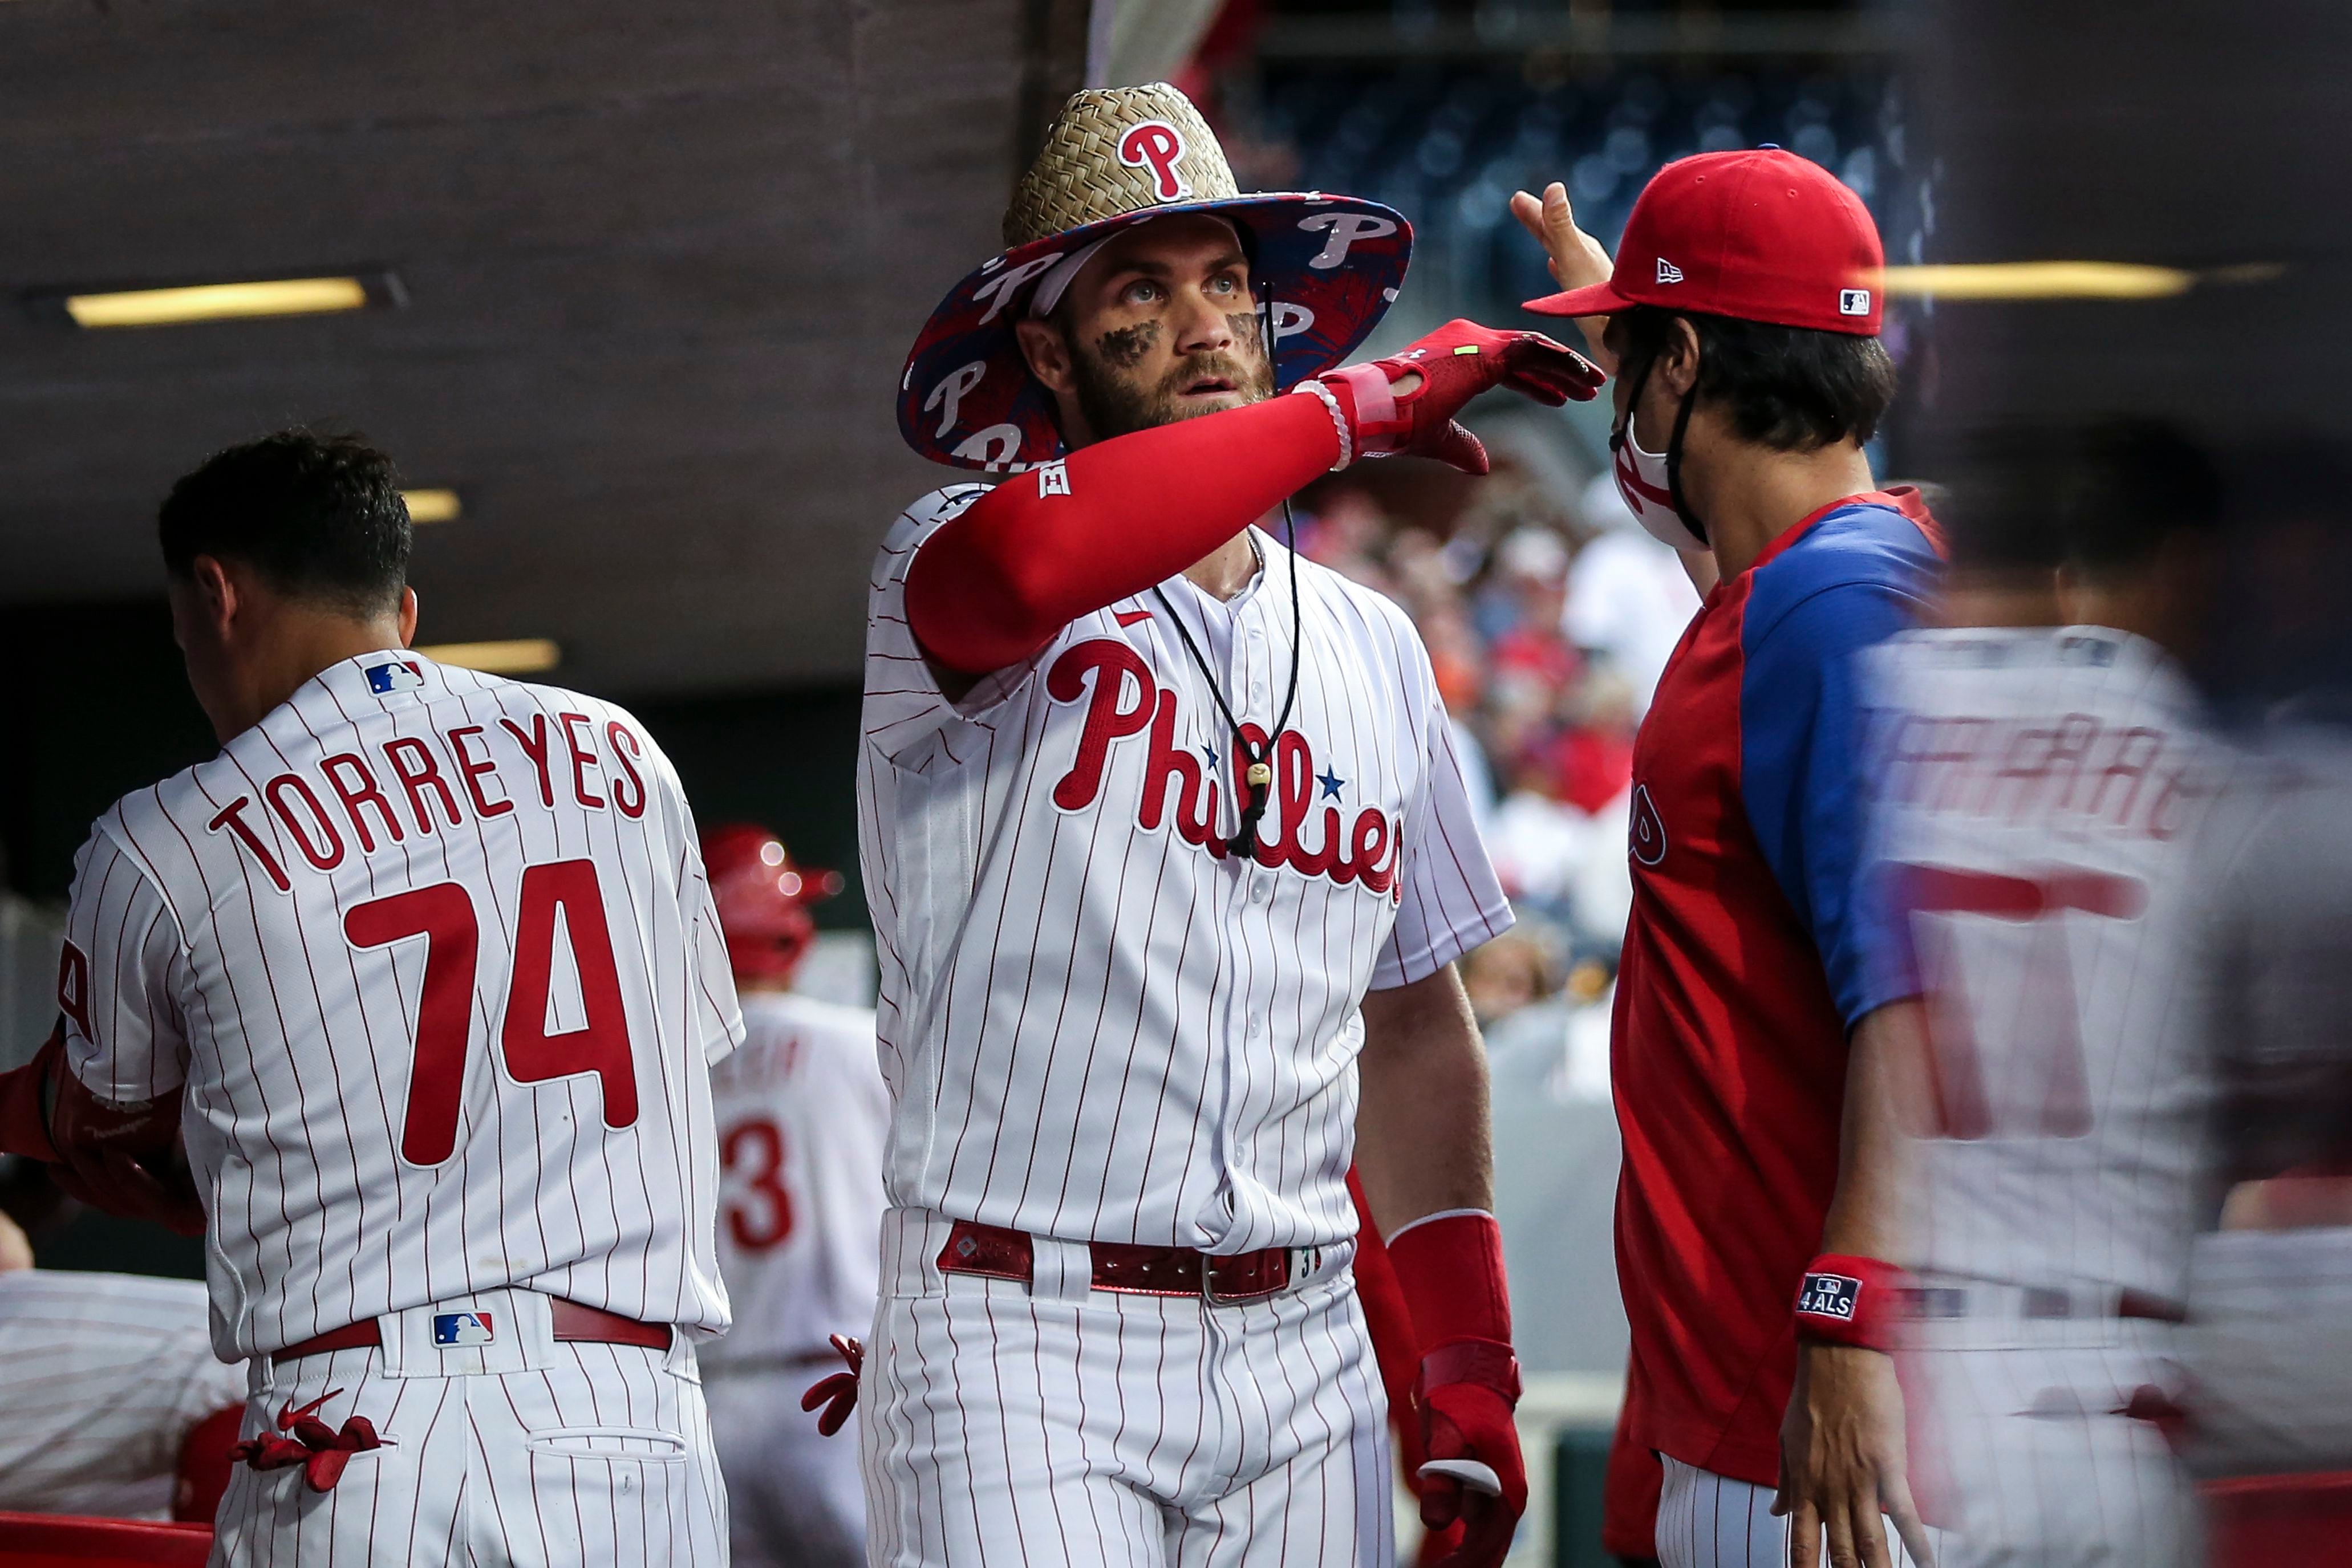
{"points": [[1329, 266]]}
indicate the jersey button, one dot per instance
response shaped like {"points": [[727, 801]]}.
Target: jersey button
{"points": [[1261, 888]]}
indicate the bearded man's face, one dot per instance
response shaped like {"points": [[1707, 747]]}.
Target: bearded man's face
{"points": [[1161, 327]]}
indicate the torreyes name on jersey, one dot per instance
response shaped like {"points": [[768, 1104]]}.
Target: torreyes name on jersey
{"points": [[374, 796]]}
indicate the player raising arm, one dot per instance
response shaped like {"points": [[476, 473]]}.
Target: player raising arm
{"points": [[1171, 858], [1751, 1031], [422, 965]]}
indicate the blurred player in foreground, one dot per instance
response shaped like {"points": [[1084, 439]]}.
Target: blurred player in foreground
{"points": [[424, 968], [1741, 319], [115, 1404], [800, 1110], [1171, 859], [2039, 795], [2270, 1336]]}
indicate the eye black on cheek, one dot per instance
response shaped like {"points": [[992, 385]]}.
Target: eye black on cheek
{"points": [[1125, 347]]}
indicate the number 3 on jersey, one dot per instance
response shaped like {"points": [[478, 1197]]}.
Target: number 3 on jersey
{"points": [[761, 1216], [444, 915]]}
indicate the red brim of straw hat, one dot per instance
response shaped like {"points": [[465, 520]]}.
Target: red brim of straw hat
{"points": [[1328, 266]]}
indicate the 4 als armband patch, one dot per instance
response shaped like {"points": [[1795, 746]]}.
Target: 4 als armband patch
{"points": [[1851, 1301]]}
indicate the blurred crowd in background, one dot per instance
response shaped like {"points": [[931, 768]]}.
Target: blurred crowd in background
{"points": [[1548, 617]]}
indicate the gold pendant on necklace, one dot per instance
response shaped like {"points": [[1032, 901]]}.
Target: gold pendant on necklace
{"points": [[1260, 775]]}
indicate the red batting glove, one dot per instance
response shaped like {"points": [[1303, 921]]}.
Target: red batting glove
{"points": [[1467, 1393], [1450, 1267], [838, 1392], [124, 1158], [1456, 364]]}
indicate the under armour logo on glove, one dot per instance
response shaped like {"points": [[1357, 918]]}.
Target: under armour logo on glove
{"points": [[838, 1392], [319, 1448]]}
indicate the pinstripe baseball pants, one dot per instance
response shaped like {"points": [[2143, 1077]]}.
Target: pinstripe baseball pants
{"points": [[2041, 1462], [524, 1451], [1049, 1423], [1707, 1521]]}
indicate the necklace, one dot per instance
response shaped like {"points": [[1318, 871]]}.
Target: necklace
{"points": [[1257, 774]]}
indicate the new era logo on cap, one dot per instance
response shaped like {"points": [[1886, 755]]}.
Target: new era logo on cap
{"points": [[1854, 302], [462, 1329], [1668, 272], [1829, 1296]]}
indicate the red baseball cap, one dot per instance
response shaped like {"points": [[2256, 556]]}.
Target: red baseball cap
{"points": [[1760, 235]]}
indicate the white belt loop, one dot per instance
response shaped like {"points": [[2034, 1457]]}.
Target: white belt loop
{"points": [[1060, 1271]]}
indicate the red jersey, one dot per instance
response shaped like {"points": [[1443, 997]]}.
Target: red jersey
{"points": [[1745, 963]]}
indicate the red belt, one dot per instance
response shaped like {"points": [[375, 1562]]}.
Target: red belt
{"points": [[573, 1324], [1131, 1270]]}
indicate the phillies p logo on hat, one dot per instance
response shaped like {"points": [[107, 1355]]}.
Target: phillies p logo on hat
{"points": [[1325, 268], [1156, 145]]}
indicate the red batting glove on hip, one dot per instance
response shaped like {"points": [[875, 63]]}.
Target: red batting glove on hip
{"points": [[1450, 1269], [1456, 364], [838, 1392]]}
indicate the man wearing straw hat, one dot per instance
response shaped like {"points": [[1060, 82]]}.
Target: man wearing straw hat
{"points": [[1171, 859]]}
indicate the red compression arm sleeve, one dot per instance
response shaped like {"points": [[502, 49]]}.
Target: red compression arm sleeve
{"points": [[995, 585]]}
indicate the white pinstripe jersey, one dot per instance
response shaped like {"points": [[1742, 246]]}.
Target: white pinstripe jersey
{"points": [[2045, 786], [802, 1114], [105, 1374], [434, 956], [1097, 1023]]}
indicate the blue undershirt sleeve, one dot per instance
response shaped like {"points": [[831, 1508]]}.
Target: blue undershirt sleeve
{"points": [[1802, 755]]}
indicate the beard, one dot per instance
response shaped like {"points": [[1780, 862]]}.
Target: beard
{"points": [[1117, 404]]}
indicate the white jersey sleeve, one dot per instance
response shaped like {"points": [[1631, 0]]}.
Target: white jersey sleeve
{"points": [[119, 979], [1449, 900], [903, 704]]}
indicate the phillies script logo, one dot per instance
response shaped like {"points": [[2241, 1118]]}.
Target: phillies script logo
{"points": [[1648, 835], [1156, 145], [1099, 671]]}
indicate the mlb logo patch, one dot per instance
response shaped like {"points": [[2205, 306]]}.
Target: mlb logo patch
{"points": [[395, 676], [456, 1329], [1853, 301], [1829, 1296]]}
